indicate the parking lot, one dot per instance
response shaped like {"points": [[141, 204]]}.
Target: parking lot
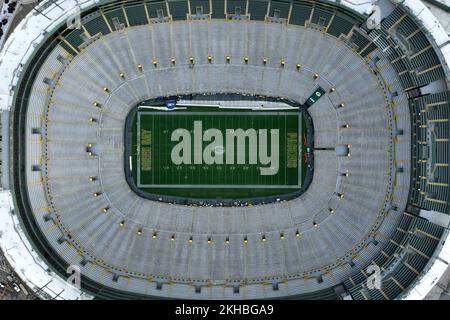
{"points": [[11, 287]]}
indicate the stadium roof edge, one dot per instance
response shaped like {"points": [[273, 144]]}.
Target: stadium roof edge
{"points": [[28, 34], [16, 52]]}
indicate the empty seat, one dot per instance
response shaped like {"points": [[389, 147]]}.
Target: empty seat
{"points": [[340, 25], [300, 13], [96, 25], [258, 10], [179, 9], [136, 14]]}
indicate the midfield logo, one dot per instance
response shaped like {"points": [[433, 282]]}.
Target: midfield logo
{"points": [[235, 140]]}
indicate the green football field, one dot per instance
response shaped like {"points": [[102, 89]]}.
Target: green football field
{"points": [[211, 153]]}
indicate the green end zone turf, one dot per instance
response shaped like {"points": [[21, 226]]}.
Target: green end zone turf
{"points": [[217, 154]]}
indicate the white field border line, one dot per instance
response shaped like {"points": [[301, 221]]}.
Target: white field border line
{"points": [[212, 113], [299, 147], [222, 186], [139, 149], [187, 104], [198, 105], [159, 108]]}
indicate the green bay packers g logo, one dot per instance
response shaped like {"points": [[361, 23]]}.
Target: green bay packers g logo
{"points": [[234, 151]]}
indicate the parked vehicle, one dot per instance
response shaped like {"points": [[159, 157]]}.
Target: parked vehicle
{"points": [[15, 287]]}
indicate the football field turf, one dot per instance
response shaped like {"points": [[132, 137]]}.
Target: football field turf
{"points": [[215, 153]]}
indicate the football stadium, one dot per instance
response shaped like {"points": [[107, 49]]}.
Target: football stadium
{"points": [[226, 149]]}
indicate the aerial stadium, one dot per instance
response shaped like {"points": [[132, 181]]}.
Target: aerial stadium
{"points": [[226, 149]]}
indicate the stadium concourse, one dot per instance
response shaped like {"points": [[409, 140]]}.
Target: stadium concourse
{"points": [[377, 207]]}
